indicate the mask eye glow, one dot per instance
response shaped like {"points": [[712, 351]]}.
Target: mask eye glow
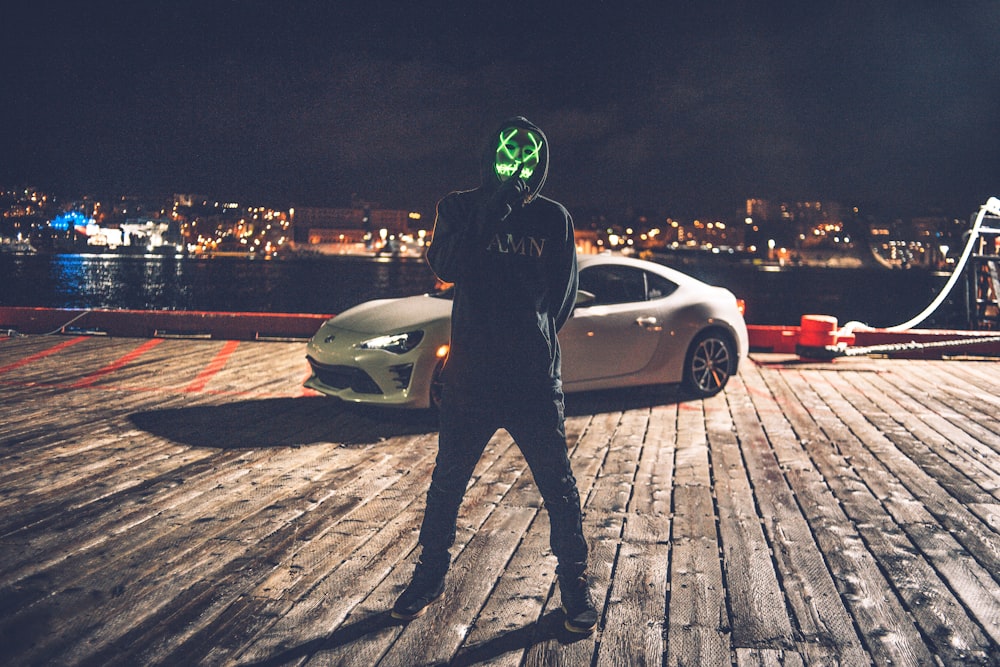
{"points": [[531, 153], [509, 150]]}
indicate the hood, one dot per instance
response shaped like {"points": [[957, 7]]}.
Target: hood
{"points": [[537, 179], [385, 316]]}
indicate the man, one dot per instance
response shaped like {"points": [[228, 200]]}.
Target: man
{"points": [[512, 257]]}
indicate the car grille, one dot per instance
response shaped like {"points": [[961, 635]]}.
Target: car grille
{"points": [[343, 377], [401, 375]]}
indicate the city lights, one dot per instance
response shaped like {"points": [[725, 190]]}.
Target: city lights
{"points": [[782, 232]]}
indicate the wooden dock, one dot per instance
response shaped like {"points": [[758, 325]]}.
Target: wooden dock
{"points": [[186, 502]]}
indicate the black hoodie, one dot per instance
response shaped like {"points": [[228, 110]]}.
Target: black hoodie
{"points": [[515, 282]]}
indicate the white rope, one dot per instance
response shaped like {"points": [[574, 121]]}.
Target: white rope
{"points": [[992, 206]]}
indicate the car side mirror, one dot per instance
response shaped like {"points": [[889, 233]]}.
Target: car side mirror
{"points": [[584, 298]]}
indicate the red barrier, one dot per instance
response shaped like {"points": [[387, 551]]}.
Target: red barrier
{"points": [[162, 323]]}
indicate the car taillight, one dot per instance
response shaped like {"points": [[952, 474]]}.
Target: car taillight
{"points": [[741, 306]]}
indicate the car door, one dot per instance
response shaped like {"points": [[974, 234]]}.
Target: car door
{"points": [[617, 333]]}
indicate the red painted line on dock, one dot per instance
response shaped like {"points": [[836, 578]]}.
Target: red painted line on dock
{"points": [[213, 367], [116, 365], [41, 355]]}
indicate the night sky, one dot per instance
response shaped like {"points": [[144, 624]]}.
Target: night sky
{"points": [[683, 108]]}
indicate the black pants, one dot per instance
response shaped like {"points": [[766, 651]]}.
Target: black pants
{"points": [[538, 428]]}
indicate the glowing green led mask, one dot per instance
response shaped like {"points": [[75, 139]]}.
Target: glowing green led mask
{"points": [[517, 147]]}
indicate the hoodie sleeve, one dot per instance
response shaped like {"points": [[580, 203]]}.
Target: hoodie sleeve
{"points": [[565, 279], [454, 225]]}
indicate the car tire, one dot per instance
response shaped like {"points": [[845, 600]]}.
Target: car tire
{"points": [[710, 362]]}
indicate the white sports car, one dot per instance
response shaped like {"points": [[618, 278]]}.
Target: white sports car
{"points": [[635, 323]]}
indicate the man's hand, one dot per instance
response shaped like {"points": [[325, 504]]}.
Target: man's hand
{"points": [[510, 193]]}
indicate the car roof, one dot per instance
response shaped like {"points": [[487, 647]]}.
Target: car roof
{"points": [[584, 261]]}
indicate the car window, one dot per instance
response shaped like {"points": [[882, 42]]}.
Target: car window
{"points": [[613, 284], [658, 287], [623, 284]]}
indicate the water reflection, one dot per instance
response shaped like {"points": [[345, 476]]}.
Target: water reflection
{"points": [[112, 281], [157, 282]]}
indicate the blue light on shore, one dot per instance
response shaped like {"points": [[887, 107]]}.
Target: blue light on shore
{"points": [[70, 220]]}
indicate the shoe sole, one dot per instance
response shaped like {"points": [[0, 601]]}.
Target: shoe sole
{"points": [[578, 629], [399, 616]]}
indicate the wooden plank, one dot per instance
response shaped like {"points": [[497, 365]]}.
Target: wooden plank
{"points": [[773, 452], [943, 617], [512, 619], [56, 418], [203, 619], [88, 477], [978, 403], [243, 456], [634, 617], [756, 606], [911, 428], [325, 617], [753, 657], [62, 533], [698, 631], [890, 632], [183, 549], [940, 421], [71, 364], [931, 479], [970, 446], [36, 356], [75, 443]]}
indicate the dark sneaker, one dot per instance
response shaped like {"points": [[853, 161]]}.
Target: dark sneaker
{"points": [[426, 587], [581, 616]]}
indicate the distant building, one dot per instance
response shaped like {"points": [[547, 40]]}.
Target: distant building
{"points": [[806, 231], [318, 226], [149, 233], [188, 200], [588, 241]]}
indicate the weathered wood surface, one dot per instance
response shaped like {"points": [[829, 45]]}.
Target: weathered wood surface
{"points": [[186, 502]]}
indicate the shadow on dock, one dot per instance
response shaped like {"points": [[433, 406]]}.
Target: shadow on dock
{"points": [[294, 421], [548, 628], [280, 422], [619, 400]]}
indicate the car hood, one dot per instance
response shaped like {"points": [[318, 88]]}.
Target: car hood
{"points": [[389, 315]]}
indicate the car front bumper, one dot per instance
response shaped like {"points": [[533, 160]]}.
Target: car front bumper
{"points": [[390, 385], [374, 377]]}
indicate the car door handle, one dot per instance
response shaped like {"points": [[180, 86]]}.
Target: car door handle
{"points": [[650, 323]]}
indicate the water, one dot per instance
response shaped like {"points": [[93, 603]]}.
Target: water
{"points": [[875, 296], [878, 297], [323, 285]]}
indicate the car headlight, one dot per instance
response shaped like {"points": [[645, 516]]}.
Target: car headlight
{"points": [[400, 343]]}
